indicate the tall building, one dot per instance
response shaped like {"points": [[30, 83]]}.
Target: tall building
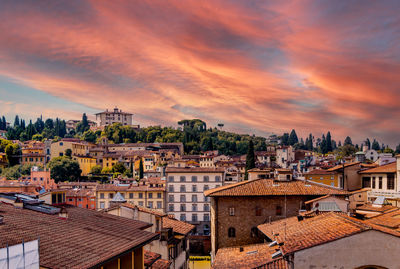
{"points": [[106, 118], [186, 201]]}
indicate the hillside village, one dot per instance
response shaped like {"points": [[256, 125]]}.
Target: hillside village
{"points": [[94, 198]]}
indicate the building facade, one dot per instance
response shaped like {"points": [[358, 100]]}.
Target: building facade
{"points": [[186, 201], [106, 118]]}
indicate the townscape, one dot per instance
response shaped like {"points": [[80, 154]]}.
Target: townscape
{"points": [[101, 194]]}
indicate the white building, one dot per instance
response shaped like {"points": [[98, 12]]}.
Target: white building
{"points": [[284, 155], [185, 197], [106, 118]]}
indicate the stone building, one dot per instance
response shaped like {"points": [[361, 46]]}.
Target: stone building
{"points": [[106, 118], [237, 209]]}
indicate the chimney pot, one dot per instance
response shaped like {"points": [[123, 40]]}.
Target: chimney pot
{"points": [[241, 249]]}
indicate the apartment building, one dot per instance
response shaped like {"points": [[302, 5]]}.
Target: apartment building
{"points": [[141, 195], [186, 201]]}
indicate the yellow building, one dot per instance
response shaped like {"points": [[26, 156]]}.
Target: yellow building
{"points": [[141, 195], [3, 160], [76, 146], [329, 178], [109, 159], [86, 163]]}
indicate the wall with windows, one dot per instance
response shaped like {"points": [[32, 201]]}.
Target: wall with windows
{"points": [[228, 213], [186, 200]]}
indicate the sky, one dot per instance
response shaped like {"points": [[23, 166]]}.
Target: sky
{"points": [[257, 66]]}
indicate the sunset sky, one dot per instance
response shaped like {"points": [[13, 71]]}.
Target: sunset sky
{"points": [[257, 66]]}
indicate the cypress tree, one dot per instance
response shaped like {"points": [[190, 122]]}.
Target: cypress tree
{"points": [[293, 139], [250, 159], [329, 142], [141, 170]]}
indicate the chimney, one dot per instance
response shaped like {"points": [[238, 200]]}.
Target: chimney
{"points": [[63, 213], [241, 249], [18, 203]]}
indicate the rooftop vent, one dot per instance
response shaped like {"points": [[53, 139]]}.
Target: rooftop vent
{"points": [[63, 213], [276, 254], [273, 243]]}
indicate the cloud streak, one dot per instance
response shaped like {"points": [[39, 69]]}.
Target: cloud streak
{"points": [[256, 66]]}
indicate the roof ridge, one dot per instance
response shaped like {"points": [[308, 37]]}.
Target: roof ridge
{"points": [[226, 187], [354, 221]]}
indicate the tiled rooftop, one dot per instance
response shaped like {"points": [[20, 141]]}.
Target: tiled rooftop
{"points": [[177, 226], [387, 168], [86, 238], [297, 235], [248, 256], [262, 187], [340, 166]]}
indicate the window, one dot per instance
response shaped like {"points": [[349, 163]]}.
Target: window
{"points": [[171, 208], [150, 195], [206, 230], [183, 207], [171, 188], [258, 211], [366, 182], [206, 187], [170, 179], [194, 188], [194, 178], [183, 198], [61, 143], [102, 205], [380, 183], [159, 204], [131, 195], [194, 217], [101, 195], [183, 178], [194, 198], [111, 195], [390, 181], [150, 205], [183, 217], [373, 183], [140, 195], [70, 199], [231, 232], [206, 207], [141, 203], [231, 211], [206, 217], [278, 211], [170, 198], [206, 179], [217, 178], [194, 207], [183, 188], [159, 195]]}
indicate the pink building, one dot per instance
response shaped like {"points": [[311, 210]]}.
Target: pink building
{"points": [[42, 178]]}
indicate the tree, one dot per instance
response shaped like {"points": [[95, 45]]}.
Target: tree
{"points": [[141, 169], [89, 136], [250, 159], [83, 125], [375, 145], [293, 139], [309, 142], [285, 139], [96, 169], [12, 173], [12, 153], [348, 141], [64, 169], [329, 147], [368, 143], [118, 168], [68, 153], [16, 121], [323, 146]]}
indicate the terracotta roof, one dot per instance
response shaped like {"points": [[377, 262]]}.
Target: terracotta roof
{"points": [[85, 239], [177, 226], [145, 209], [297, 235], [340, 166], [262, 187], [80, 193], [193, 170], [317, 199], [390, 219], [153, 260], [251, 256], [371, 207], [387, 168]]}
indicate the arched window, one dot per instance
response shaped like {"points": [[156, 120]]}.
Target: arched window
{"points": [[231, 232]]}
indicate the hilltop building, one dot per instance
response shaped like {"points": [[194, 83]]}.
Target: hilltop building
{"points": [[106, 118]]}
